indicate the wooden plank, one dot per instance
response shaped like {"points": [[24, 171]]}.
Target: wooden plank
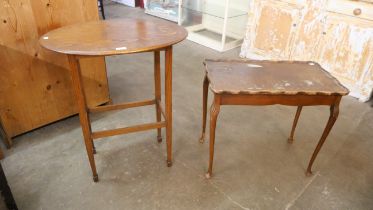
{"points": [[35, 85], [121, 106], [131, 129]]}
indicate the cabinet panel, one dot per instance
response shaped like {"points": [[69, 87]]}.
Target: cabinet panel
{"points": [[332, 33], [367, 84], [275, 23], [345, 50], [310, 30], [35, 84]]}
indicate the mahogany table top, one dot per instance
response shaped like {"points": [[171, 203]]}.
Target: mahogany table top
{"points": [[112, 37], [271, 77]]}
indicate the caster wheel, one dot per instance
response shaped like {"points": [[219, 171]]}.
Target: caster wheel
{"points": [[95, 178]]}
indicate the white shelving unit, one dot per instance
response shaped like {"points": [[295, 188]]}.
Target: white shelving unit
{"points": [[166, 9], [217, 24]]}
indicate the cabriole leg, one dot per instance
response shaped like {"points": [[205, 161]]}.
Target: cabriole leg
{"points": [[204, 107], [291, 138], [334, 112], [214, 112]]}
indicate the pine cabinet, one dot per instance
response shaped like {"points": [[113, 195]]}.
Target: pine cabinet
{"points": [[35, 84], [336, 34]]}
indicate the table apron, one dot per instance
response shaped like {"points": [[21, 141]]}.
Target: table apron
{"points": [[124, 53], [290, 100]]}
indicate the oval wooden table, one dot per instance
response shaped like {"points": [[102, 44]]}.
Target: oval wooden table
{"points": [[116, 37]]}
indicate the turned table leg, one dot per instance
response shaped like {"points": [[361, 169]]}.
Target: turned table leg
{"points": [[168, 103], [291, 138], [83, 114], [204, 107], [214, 112], [157, 88], [334, 111]]}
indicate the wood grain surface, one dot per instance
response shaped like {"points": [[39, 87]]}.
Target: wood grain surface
{"points": [[111, 37], [271, 77], [35, 84]]}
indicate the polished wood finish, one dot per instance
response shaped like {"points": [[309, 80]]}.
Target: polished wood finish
{"points": [[157, 91], [161, 109], [334, 112], [214, 112], [271, 78], [204, 105], [35, 84], [115, 37], [131, 129], [83, 114], [112, 107], [251, 82], [291, 138], [168, 102], [265, 99]]}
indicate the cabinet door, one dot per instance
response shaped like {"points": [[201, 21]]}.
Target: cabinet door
{"points": [[346, 50], [274, 27], [311, 27]]}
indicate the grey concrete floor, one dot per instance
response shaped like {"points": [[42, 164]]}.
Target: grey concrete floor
{"points": [[255, 167]]}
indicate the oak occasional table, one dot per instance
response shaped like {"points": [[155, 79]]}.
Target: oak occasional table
{"points": [[116, 37], [252, 82]]}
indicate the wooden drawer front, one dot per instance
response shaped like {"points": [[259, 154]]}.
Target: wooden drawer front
{"points": [[352, 8]]}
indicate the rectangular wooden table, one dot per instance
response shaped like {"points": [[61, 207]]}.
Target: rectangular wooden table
{"points": [[252, 82]]}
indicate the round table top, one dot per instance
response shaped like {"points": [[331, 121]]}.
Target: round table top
{"points": [[113, 37]]}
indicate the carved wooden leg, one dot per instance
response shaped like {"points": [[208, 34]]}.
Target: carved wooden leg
{"points": [[291, 138], [83, 114], [214, 112], [334, 111], [168, 103], [204, 107], [157, 88]]}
